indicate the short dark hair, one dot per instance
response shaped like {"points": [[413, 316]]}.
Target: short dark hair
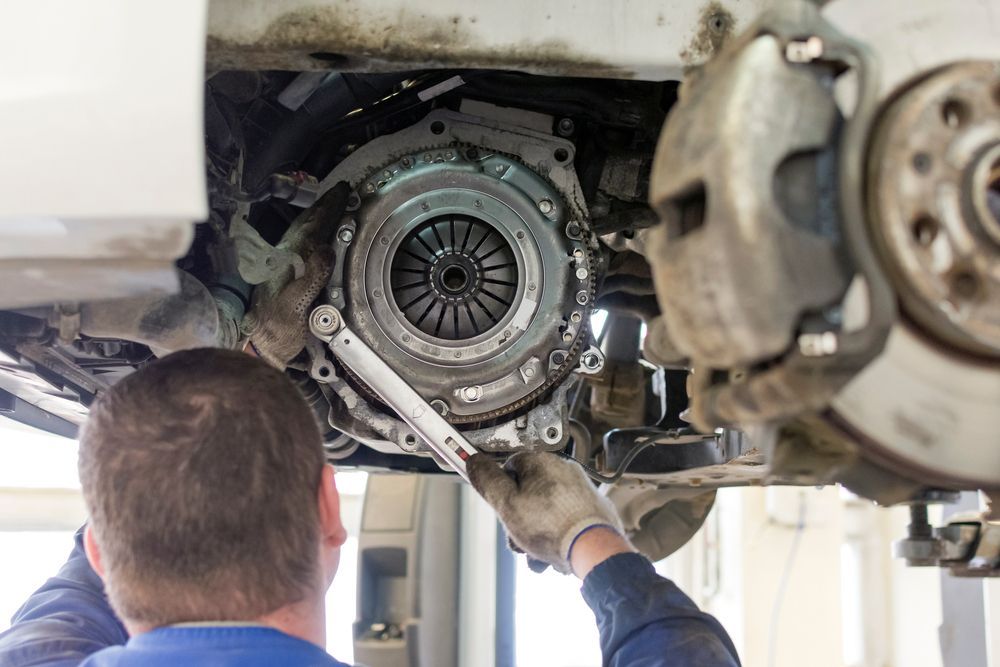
{"points": [[201, 473]]}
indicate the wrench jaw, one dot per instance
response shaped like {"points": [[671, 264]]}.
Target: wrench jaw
{"points": [[326, 323]]}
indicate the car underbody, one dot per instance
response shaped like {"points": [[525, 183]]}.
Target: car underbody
{"points": [[735, 245]]}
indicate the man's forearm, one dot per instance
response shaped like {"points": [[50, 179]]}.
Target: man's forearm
{"points": [[644, 618], [64, 621]]}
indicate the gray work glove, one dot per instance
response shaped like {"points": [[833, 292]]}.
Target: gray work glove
{"points": [[545, 502], [277, 322]]}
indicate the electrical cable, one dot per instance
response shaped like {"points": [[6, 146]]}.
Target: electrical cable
{"points": [[779, 596], [622, 467]]}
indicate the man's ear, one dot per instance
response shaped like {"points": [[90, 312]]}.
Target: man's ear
{"points": [[93, 551], [334, 533]]}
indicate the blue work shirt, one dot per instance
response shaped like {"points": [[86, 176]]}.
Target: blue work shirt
{"points": [[644, 621]]}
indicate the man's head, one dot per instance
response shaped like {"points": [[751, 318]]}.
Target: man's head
{"points": [[207, 490]]}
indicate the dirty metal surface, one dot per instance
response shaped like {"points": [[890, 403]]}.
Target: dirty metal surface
{"points": [[646, 40]]}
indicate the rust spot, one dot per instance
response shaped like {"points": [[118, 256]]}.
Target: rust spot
{"points": [[715, 25], [368, 42]]}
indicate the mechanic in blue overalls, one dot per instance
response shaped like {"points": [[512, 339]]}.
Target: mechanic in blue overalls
{"points": [[215, 529]]}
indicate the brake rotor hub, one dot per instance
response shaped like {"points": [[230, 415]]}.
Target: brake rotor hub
{"points": [[936, 194]]}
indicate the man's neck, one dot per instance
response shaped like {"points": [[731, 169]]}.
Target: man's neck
{"points": [[305, 620]]}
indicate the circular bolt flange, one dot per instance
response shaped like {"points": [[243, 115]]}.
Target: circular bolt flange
{"points": [[439, 406], [591, 361], [582, 297]]}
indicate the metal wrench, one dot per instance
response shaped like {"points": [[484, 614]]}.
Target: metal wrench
{"points": [[326, 323]]}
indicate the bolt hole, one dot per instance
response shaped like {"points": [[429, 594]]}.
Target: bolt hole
{"points": [[347, 341], [965, 285], [925, 230], [561, 154], [410, 439], [437, 127], [954, 113], [922, 163], [552, 433], [324, 372]]}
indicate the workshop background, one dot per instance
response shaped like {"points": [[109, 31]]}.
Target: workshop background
{"points": [[797, 576]]}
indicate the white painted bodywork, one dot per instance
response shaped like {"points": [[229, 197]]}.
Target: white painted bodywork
{"points": [[103, 146]]}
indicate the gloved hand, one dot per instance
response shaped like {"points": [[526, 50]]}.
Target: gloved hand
{"points": [[277, 322], [545, 502]]}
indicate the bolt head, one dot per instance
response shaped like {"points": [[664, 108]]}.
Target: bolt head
{"points": [[582, 297], [581, 273], [346, 235], [546, 206], [472, 394]]}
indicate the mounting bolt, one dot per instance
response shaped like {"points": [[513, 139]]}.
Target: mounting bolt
{"points": [[582, 297], [346, 235], [804, 51], [581, 273], [370, 187], [472, 394], [565, 127], [546, 206], [335, 294], [406, 162], [573, 230]]}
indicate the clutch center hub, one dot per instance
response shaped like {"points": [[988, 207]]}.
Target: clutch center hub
{"points": [[454, 277]]}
